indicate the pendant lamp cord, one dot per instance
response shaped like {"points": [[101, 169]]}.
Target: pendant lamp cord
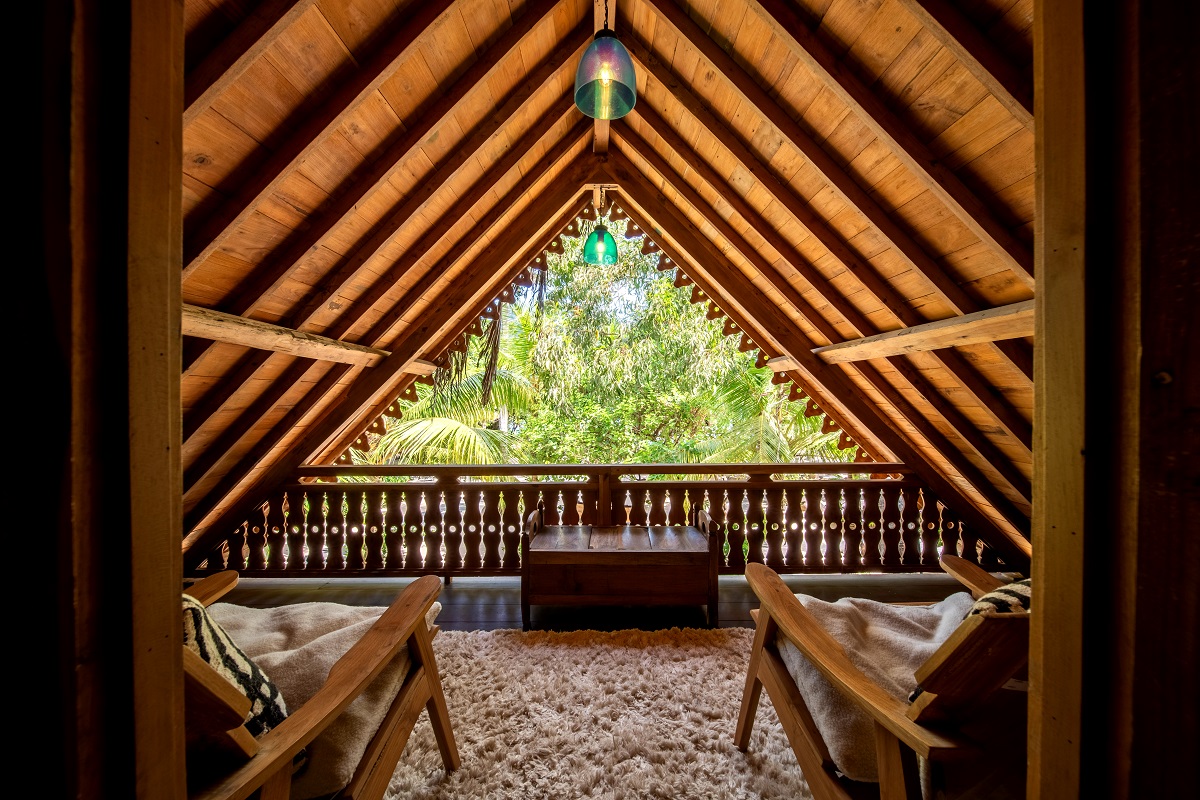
{"points": [[605, 14]]}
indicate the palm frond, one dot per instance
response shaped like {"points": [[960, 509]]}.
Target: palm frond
{"points": [[439, 440]]}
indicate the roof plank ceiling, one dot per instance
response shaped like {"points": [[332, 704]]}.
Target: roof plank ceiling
{"points": [[848, 184]]}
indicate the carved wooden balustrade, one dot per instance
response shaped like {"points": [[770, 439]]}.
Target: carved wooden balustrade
{"points": [[356, 521]]}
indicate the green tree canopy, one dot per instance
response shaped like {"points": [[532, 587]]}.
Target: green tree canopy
{"points": [[604, 364]]}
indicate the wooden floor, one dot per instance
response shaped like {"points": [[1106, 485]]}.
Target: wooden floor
{"points": [[495, 603]]}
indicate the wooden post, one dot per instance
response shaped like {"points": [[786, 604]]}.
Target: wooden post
{"points": [[604, 498], [1113, 637]]}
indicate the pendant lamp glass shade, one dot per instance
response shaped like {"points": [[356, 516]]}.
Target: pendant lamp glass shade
{"points": [[605, 86], [600, 247]]}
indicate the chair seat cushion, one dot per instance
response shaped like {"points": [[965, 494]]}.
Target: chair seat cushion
{"points": [[297, 645], [887, 643]]}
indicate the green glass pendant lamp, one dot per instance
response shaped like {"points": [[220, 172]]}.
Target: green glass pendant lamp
{"points": [[600, 248], [605, 85]]}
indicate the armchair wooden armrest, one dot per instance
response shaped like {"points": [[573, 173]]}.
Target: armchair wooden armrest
{"points": [[975, 578], [212, 588]]}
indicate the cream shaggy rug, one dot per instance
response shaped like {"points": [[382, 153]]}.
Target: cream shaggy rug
{"points": [[586, 714]]}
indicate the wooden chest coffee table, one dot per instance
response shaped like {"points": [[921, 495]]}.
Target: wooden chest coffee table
{"points": [[581, 565]]}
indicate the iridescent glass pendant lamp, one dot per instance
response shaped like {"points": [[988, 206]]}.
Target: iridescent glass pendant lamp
{"points": [[605, 86]]}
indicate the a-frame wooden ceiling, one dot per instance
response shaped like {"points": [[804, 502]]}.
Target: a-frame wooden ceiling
{"points": [[850, 183]]}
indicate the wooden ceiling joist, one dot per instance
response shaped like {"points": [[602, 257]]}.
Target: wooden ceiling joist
{"points": [[1006, 322], [251, 416], [202, 238], [963, 427], [270, 276], [376, 190], [836, 394], [912, 152], [783, 364], [946, 286], [370, 393], [448, 341], [990, 67], [446, 222]]}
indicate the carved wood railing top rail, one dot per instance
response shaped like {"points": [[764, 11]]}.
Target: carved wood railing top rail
{"points": [[467, 520]]}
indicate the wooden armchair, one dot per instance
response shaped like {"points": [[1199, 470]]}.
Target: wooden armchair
{"points": [[965, 730], [225, 761]]}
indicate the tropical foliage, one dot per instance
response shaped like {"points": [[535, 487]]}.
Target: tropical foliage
{"points": [[613, 365]]}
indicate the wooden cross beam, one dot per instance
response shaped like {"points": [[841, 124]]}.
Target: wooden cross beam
{"points": [[1005, 322]]}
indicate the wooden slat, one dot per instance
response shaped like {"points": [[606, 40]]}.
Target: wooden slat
{"points": [[832, 387], [214, 709], [807, 213], [439, 322], [269, 277], [248, 419], [1006, 322], [450, 219], [551, 162], [986, 449], [967, 376], [203, 237], [236, 52], [989, 66], [232, 329], [212, 588], [935, 177]]}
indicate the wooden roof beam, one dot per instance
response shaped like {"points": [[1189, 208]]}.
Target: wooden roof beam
{"points": [[371, 388], [994, 403], [204, 236], [267, 402], [325, 389], [986, 449], [272, 274], [982, 59], [550, 165], [543, 131], [233, 56], [1004, 322], [839, 180], [232, 329], [783, 364], [791, 27], [764, 323], [445, 222], [832, 389]]}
